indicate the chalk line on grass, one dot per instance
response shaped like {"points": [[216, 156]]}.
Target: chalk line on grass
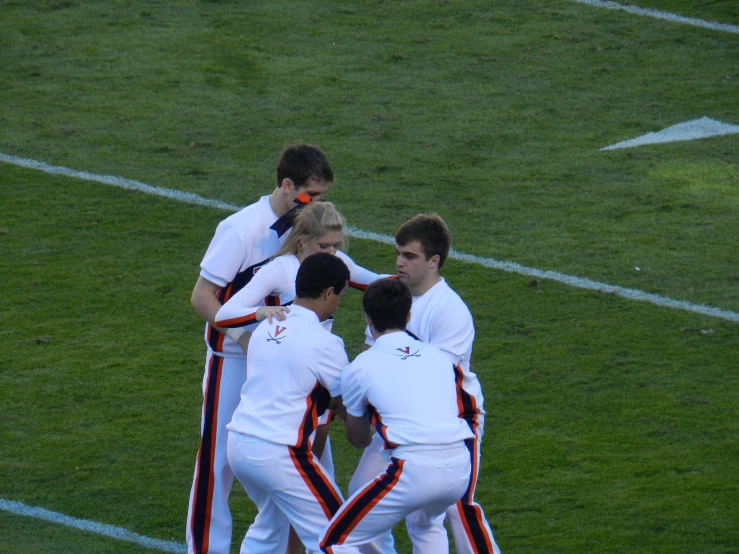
{"points": [[667, 16], [704, 127], [511, 267], [18, 508]]}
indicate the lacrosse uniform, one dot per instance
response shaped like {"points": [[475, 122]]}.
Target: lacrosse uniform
{"points": [[423, 439], [440, 317], [294, 368], [242, 243]]}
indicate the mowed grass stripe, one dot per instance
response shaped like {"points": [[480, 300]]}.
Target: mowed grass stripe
{"points": [[511, 267]]}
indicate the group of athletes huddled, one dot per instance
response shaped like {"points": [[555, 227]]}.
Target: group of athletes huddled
{"points": [[276, 377]]}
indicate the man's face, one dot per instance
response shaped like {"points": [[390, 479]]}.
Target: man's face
{"points": [[314, 188], [412, 265], [335, 299]]}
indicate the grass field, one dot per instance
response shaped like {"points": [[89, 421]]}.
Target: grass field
{"points": [[612, 424]]}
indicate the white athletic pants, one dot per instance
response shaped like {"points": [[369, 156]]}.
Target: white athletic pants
{"points": [[288, 486], [419, 486], [209, 517], [472, 533]]}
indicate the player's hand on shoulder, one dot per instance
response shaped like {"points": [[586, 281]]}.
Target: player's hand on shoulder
{"points": [[270, 313]]}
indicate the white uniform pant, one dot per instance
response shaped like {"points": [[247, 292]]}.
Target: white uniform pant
{"points": [[471, 531], [208, 516], [420, 485], [288, 486]]}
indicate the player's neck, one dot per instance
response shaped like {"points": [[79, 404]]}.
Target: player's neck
{"points": [[426, 284], [277, 202], [315, 305], [376, 335]]}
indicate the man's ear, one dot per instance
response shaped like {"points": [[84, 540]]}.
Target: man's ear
{"points": [[408, 319], [287, 185], [327, 293], [434, 261], [368, 320]]}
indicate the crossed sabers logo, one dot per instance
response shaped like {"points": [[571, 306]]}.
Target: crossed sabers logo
{"points": [[407, 353], [278, 332]]}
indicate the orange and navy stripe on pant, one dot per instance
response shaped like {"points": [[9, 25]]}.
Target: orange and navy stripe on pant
{"points": [[321, 487], [470, 512], [206, 452], [357, 508], [473, 520]]}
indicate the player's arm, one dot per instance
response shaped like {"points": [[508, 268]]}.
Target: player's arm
{"points": [[204, 300], [207, 305], [453, 331], [358, 430], [243, 308], [319, 443], [359, 277], [354, 397]]}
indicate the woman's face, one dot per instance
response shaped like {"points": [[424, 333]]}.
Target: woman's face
{"points": [[328, 243]]}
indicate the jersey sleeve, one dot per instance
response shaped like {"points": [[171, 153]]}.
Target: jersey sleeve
{"points": [[241, 309], [332, 359], [454, 334], [353, 394], [359, 277], [222, 260]]}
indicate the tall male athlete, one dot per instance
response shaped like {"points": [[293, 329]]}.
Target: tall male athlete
{"points": [[424, 437], [294, 371], [242, 243], [439, 317]]}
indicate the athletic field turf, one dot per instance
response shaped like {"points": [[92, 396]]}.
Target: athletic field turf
{"points": [[604, 283]]}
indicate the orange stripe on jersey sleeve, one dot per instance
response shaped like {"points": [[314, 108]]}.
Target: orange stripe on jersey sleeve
{"points": [[358, 286], [237, 321]]}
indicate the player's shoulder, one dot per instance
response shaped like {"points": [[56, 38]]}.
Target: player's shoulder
{"points": [[251, 216], [312, 332], [445, 299], [281, 265]]}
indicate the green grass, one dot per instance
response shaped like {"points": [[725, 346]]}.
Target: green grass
{"points": [[611, 424]]}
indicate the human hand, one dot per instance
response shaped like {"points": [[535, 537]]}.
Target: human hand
{"points": [[272, 312]]}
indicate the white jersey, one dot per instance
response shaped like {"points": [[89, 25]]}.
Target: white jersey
{"points": [[293, 367], [409, 389], [440, 317], [274, 285], [242, 243]]}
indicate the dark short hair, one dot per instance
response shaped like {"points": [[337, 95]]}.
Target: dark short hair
{"points": [[319, 272], [431, 231], [301, 162], [387, 303]]}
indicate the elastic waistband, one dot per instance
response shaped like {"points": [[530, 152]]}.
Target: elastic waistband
{"points": [[430, 451]]}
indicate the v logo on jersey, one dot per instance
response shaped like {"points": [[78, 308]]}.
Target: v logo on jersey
{"points": [[278, 331], [407, 353]]}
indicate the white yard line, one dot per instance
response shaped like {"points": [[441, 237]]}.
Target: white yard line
{"points": [[18, 508], [511, 267], [667, 16]]}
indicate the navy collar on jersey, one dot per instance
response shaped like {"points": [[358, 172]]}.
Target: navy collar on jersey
{"points": [[411, 334], [283, 224]]}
